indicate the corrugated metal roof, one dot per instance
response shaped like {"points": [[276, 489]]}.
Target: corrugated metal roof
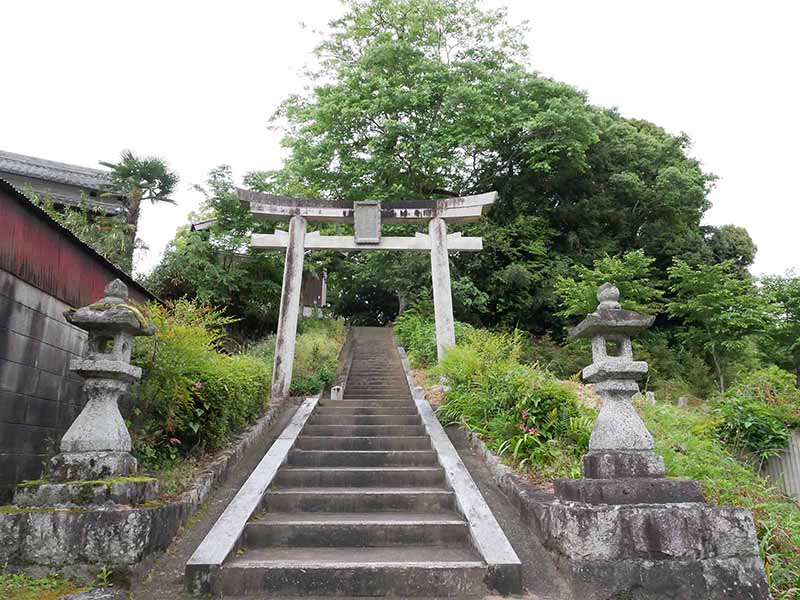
{"points": [[39, 168], [66, 233]]}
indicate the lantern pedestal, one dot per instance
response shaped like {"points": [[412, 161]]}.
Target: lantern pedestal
{"points": [[95, 465], [625, 530]]}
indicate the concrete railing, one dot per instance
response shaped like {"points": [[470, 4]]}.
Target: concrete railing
{"points": [[784, 470]]}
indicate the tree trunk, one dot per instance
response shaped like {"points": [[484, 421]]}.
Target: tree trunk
{"points": [[718, 369], [401, 300], [134, 206]]}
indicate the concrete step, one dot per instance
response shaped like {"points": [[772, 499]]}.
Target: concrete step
{"points": [[363, 430], [355, 529], [361, 458], [365, 420], [365, 499], [396, 442], [404, 571], [374, 392], [372, 396], [359, 476], [366, 411], [368, 403]]}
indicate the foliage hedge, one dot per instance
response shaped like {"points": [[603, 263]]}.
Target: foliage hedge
{"points": [[193, 396], [417, 333], [521, 411], [317, 346], [756, 415]]}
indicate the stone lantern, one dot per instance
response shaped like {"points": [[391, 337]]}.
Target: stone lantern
{"points": [[97, 445], [621, 466]]}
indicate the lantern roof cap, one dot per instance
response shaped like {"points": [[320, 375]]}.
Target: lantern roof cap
{"points": [[610, 318], [111, 314]]}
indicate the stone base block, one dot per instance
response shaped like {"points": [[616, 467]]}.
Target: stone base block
{"points": [[88, 466], [77, 536], [628, 491], [125, 491], [606, 464], [671, 551]]}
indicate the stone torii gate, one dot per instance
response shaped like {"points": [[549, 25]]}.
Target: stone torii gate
{"points": [[367, 218]]}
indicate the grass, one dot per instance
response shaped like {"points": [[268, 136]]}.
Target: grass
{"points": [[684, 439], [19, 586], [175, 477]]}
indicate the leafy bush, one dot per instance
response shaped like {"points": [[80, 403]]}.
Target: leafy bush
{"points": [[774, 387], [521, 411], [562, 360], [753, 426], [316, 348], [192, 396], [686, 440], [757, 413], [417, 334]]}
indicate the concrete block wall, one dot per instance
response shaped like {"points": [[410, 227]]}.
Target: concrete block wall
{"points": [[39, 397]]}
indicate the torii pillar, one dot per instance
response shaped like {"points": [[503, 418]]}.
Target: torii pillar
{"points": [[286, 336], [367, 218], [442, 293]]}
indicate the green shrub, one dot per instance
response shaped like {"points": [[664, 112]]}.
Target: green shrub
{"points": [[562, 360], [757, 413], [192, 396], [316, 348], [774, 387], [417, 334], [521, 411], [753, 426], [686, 440]]}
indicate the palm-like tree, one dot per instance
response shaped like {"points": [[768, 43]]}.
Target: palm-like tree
{"points": [[137, 179]]}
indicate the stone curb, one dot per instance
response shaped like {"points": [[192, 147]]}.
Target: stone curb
{"points": [[487, 537], [225, 536]]}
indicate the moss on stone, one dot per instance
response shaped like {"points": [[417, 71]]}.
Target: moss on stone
{"points": [[31, 483], [11, 509], [35, 483]]}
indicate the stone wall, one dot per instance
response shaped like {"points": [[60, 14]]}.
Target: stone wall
{"points": [[39, 397]]}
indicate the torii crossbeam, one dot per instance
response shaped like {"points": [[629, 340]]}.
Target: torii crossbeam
{"points": [[367, 218]]}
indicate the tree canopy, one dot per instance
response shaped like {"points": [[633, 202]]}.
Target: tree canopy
{"points": [[432, 98]]}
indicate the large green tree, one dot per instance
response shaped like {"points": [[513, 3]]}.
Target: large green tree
{"points": [[720, 310], [216, 265], [134, 179], [430, 98], [782, 342]]}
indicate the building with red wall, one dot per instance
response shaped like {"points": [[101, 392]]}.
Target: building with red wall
{"points": [[44, 270]]}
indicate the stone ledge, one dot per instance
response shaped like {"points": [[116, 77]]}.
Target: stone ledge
{"points": [[654, 532], [121, 536], [707, 579], [650, 562], [129, 491]]}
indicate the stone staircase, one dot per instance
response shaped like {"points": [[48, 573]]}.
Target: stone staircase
{"points": [[361, 506]]}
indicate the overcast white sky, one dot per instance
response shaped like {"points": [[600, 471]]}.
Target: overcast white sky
{"points": [[195, 82]]}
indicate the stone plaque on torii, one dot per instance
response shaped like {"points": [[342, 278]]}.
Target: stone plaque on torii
{"points": [[367, 218]]}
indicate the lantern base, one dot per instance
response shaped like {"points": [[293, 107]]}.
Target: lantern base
{"points": [[613, 464], [634, 490], [88, 466]]}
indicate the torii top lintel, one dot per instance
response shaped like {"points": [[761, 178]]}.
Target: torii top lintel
{"points": [[271, 207]]}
